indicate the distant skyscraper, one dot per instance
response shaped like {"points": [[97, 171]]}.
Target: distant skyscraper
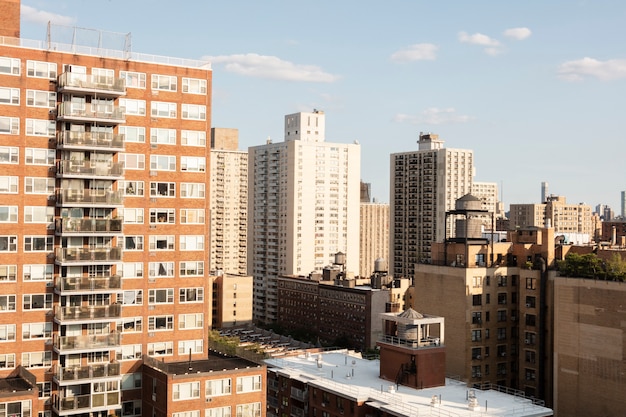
{"points": [[424, 185], [366, 192], [544, 192], [303, 207], [374, 236], [623, 204]]}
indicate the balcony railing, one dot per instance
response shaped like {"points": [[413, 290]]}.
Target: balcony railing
{"points": [[90, 169], [82, 255], [424, 343], [70, 404], [88, 312], [89, 197], [77, 373], [87, 342], [89, 140], [106, 113], [88, 226], [72, 81], [88, 283]]}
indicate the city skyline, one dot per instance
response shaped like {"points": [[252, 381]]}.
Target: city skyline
{"points": [[521, 85]]}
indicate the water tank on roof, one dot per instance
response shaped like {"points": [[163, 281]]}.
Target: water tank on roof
{"points": [[340, 258], [380, 265], [468, 202], [474, 228], [407, 331]]}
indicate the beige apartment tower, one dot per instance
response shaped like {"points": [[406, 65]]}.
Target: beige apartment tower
{"points": [[374, 236], [555, 212]]}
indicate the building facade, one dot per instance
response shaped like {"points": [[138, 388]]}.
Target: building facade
{"points": [[556, 213], [424, 185], [374, 236], [303, 207]]}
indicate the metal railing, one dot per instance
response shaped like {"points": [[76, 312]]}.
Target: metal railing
{"points": [[91, 111], [91, 169], [88, 312], [77, 373], [73, 80], [102, 140], [113, 282], [79, 255], [94, 341], [89, 197], [72, 225]]}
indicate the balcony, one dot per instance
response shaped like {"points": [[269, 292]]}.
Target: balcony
{"points": [[87, 343], [88, 313], [89, 198], [80, 227], [88, 284], [88, 256], [96, 141], [428, 342], [79, 404], [105, 114], [85, 168], [72, 82], [82, 373]]}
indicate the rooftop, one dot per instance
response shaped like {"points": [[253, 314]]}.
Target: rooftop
{"points": [[214, 363], [351, 376]]}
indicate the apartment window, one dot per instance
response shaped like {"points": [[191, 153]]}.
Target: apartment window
{"points": [[162, 242], [7, 332], [194, 112], [37, 301], [133, 216], [476, 371], [45, 389], [501, 315], [133, 242], [163, 189], [130, 297], [134, 134], [191, 269], [531, 283], [133, 160], [38, 214], [161, 349], [162, 216], [39, 69], [531, 320], [8, 154], [163, 162], [193, 138], [43, 272], [161, 296], [131, 408], [191, 242], [10, 66], [35, 185], [190, 321], [8, 185], [530, 356], [163, 136], [476, 353], [41, 330], [7, 360], [477, 317], [192, 163], [191, 295], [192, 216], [193, 346], [186, 390], [194, 413], [134, 79], [38, 243], [192, 190], [218, 387], [8, 214], [248, 383], [38, 127], [131, 381], [161, 269], [132, 270], [501, 333], [103, 75], [477, 282], [501, 280], [40, 156], [164, 82], [477, 299], [531, 301], [502, 297], [133, 107], [249, 410], [160, 323], [194, 86], [8, 272], [37, 359], [132, 188], [476, 336], [10, 96], [128, 353], [9, 126], [163, 109]]}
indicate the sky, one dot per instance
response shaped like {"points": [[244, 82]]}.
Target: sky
{"points": [[535, 88]]}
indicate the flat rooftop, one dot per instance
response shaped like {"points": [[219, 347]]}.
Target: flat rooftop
{"points": [[346, 373], [214, 363]]}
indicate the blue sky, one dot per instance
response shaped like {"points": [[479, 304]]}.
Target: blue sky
{"points": [[536, 88]]}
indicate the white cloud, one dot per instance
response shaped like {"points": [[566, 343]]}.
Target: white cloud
{"points": [[492, 46], [517, 33], [417, 52], [271, 67], [30, 14], [611, 69], [433, 116]]}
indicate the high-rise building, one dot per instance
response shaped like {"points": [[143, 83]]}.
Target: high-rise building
{"points": [[623, 204], [366, 192], [374, 236], [303, 207], [103, 231], [556, 213], [424, 185], [544, 192], [229, 203]]}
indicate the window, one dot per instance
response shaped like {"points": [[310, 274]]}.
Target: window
{"points": [[477, 282], [531, 283], [162, 216], [163, 189], [9, 96], [37, 301], [192, 216], [133, 160], [8, 185], [163, 136], [130, 297], [39, 214], [477, 299], [190, 321], [249, 410], [161, 269], [35, 185], [40, 156], [476, 336], [191, 295], [128, 352], [7, 360], [43, 272], [131, 381], [531, 319], [161, 349], [38, 243], [164, 82], [477, 317], [248, 383], [501, 315], [9, 126], [133, 242], [192, 163], [163, 162], [8, 243], [37, 359], [45, 389], [8, 154], [501, 280], [193, 138], [186, 390], [191, 269], [7, 332], [132, 270], [502, 298], [37, 98], [191, 242], [217, 412], [40, 69], [501, 333], [103, 75], [39, 127], [531, 301], [41, 330], [530, 356], [192, 190], [476, 371], [193, 346], [161, 296], [194, 413], [194, 112], [162, 242], [194, 86], [133, 216], [133, 107], [8, 214], [131, 408], [8, 272], [132, 188], [156, 323], [476, 353], [130, 325], [134, 79], [163, 109], [10, 66], [218, 387], [133, 134]]}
